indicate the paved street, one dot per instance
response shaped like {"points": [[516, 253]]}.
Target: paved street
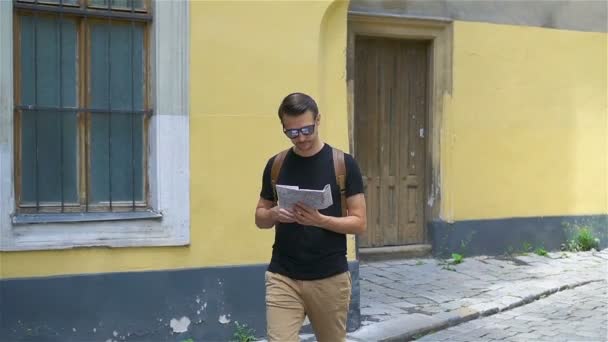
{"points": [[558, 297], [428, 286], [405, 298], [579, 314]]}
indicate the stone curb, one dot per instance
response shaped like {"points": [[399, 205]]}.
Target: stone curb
{"points": [[417, 325]]}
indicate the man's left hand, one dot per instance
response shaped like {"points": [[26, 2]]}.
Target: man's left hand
{"points": [[308, 216]]}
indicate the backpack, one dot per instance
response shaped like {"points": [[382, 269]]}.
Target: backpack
{"points": [[339, 167]]}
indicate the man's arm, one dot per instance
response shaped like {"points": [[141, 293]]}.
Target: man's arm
{"points": [[267, 215], [354, 223]]}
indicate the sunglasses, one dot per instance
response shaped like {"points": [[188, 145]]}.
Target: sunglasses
{"points": [[295, 132]]}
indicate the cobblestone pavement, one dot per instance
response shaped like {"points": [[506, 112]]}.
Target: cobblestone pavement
{"points": [[579, 314], [558, 297], [402, 299], [393, 289]]}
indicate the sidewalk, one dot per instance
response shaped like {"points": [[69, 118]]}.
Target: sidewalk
{"points": [[405, 299]]}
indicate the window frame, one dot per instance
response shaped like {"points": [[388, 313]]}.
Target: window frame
{"points": [[84, 22], [167, 221]]}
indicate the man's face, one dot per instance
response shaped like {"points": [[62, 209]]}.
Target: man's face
{"points": [[305, 129]]}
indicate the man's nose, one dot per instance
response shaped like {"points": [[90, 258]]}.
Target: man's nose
{"points": [[301, 137]]}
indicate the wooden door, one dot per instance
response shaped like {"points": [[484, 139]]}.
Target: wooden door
{"points": [[390, 130]]}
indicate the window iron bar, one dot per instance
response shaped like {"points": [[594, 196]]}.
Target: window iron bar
{"points": [[86, 116], [109, 63], [36, 168], [133, 107], [61, 116], [80, 109]]}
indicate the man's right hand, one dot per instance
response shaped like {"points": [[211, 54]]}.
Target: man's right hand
{"points": [[267, 214], [282, 215]]}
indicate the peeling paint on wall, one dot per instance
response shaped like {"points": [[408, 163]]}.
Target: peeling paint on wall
{"points": [[585, 15], [151, 320], [181, 325], [224, 319]]}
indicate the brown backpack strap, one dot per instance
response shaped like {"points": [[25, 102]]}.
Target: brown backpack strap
{"points": [[274, 172], [340, 169]]}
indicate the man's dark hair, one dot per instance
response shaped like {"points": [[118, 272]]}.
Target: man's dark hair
{"points": [[296, 104]]}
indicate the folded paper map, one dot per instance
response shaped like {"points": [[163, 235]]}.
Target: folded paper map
{"points": [[290, 195]]}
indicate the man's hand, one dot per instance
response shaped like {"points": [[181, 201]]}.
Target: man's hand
{"points": [[267, 214], [308, 216], [282, 215]]}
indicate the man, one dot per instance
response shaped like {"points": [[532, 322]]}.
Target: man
{"points": [[308, 273]]}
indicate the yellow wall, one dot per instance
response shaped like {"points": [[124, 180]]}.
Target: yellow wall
{"points": [[245, 57], [526, 126], [524, 129]]}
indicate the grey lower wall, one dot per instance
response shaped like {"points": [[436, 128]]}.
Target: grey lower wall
{"points": [[140, 306], [582, 15], [505, 236]]}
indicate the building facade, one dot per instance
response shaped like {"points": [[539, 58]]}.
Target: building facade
{"points": [[133, 136]]}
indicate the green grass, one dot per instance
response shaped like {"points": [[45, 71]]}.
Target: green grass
{"points": [[457, 258], [243, 333], [583, 241]]}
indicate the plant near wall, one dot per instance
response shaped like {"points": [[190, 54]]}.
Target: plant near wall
{"points": [[540, 251], [457, 258], [243, 333], [583, 241], [449, 264], [584, 235], [527, 247]]}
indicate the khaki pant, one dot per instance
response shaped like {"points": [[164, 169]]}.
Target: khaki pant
{"points": [[324, 301]]}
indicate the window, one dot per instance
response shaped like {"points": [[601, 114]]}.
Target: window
{"points": [[81, 105], [103, 104]]}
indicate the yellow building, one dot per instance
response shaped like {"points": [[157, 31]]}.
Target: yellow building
{"points": [[133, 136]]}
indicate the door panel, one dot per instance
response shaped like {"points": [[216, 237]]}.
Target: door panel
{"points": [[390, 125]]}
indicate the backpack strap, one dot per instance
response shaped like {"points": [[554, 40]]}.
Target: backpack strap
{"points": [[340, 169], [274, 172]]}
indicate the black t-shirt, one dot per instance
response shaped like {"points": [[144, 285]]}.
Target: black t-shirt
{"points": [[308, 252]]}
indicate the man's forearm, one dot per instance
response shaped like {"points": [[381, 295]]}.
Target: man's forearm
{"points": [[344, 225], [263, 218]]}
